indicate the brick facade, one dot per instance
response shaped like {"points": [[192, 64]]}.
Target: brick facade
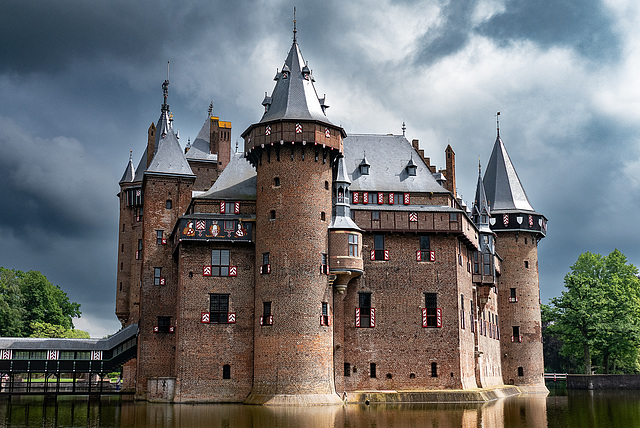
{"points": [[264, 299]]}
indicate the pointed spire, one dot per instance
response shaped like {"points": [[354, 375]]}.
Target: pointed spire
{"points": [[129, 172], [501, 182], [165, 91], [295, 39], [294, 96]]}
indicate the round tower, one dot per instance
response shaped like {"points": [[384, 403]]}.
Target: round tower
{"points": [[293, 149], [518, 228]]}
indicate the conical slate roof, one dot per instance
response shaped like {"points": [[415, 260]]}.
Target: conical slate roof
{"points": [[480, 203], [129, 173], [169, 158], [503, 188], [294, 96]]}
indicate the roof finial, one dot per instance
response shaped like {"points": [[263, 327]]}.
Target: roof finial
{"points": [[210, 108], [498, 122], [130, 155], [404, 128], [236, 146], [479, 166], [165, 90], [295, 40]]}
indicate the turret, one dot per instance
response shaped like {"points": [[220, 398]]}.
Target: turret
{"points": [[485, 263], [345, 237], [293, 148], [518, 228]]}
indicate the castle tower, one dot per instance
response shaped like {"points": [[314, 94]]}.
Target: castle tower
{"points": [[166, 188], [293, 148], [518, 228]]}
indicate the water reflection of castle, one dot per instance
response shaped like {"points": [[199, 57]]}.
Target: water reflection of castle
{"points": [[317, 263]]}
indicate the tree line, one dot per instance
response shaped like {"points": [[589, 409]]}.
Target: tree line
{"points": [[594, 325], [31, 306]]}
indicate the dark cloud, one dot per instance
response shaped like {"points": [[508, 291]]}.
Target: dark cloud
{"points": [[586, 26], [80, 84], [50, 187], [450, 36]]}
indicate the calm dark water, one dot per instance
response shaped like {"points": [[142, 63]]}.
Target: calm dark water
{"points": [[574, 409]]}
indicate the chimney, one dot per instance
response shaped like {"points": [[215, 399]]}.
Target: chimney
{"points": [[450, 158], [151, 143]]}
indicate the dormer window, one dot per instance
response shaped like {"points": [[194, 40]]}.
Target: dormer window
{"points": [[364, 166], [411, 167]]}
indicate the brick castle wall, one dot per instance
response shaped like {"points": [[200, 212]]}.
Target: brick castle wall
{"points": [[294, 355], [516, 249]]}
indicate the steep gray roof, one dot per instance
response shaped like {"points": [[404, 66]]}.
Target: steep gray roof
{"points": [[503, 187], [142, 166], [388, 156], [201, 146], [237, 181], [480, 203], [294, 96], [169, 158], [129, 173]]}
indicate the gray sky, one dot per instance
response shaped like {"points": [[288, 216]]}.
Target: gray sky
{"points": [[80, 83]]}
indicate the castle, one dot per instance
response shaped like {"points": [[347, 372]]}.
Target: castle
{"points": [[317, 263]]}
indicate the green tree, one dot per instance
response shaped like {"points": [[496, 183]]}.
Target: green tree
{"points": [[11, 309], [29, 297], [44, 329], [46, 302], [597, 315]]}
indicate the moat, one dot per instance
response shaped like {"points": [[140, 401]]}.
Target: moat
{"points": [[560, 408]]}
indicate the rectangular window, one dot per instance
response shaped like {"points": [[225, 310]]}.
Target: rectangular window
{"points": [[265, 267], [378, 247], [219, 262], [434, 369], [229, 207], [353, 245], [431, 305], [472, 316], [347, 369], [462, 317], [476, 264], [372, 370], [267, 317], [453, 216], [325, 314], [218, 308], [487, 263], [159, 238], [375, 215], [157, 276], [513, 298], [516, 334], [164, 324], [425, 247], [364, 306], [324, 263], [226, 371]]}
